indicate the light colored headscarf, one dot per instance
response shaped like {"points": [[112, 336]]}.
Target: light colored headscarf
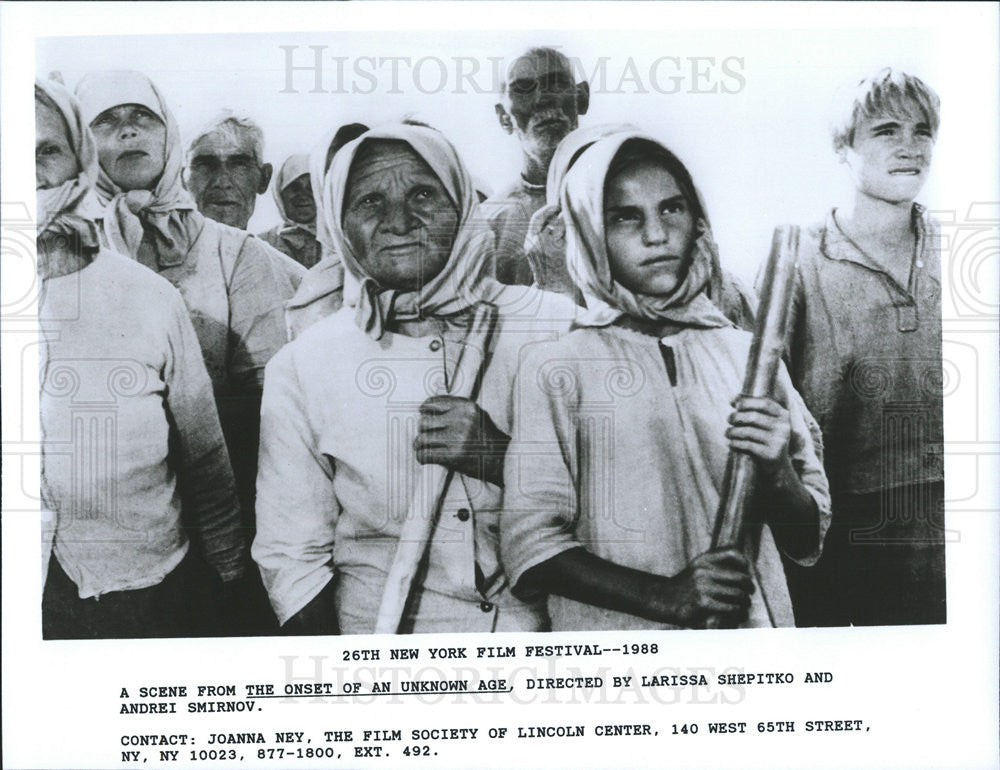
{"points": [[582, 203], [72, 207], [317, 178], [293, 167], [167, 211], [320, 162], [570, 149], [467, 277], [322, 286], [553, 277]]}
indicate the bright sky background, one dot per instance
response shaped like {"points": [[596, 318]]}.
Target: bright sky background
{"points": [[761, 155]]}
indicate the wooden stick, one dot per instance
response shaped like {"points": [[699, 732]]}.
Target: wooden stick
{"points": [[762, 369], [418, 529]]}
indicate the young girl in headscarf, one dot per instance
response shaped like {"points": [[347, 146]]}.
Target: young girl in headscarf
{"points": [[545, 244], [362, 398], [296, 235], [130, 436], [622, 428]]}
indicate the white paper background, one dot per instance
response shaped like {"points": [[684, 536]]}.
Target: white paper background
{"points": [[761, 157]]}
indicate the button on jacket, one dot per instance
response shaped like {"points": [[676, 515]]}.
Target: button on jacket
{"points": [[338, 471]]}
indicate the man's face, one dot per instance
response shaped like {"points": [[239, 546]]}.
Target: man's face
{"points": [[225, 177], [297, 198], [891, 156], [542, 104]]}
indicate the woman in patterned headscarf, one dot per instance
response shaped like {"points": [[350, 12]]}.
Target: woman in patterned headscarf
{"points": [[613, 515], [361, 399], [117, 335]]}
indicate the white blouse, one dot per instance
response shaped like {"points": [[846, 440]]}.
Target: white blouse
{"points": [[623, 452], [338, 472]]}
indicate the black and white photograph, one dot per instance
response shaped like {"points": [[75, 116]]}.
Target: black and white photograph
{"points": [[388, 357]]}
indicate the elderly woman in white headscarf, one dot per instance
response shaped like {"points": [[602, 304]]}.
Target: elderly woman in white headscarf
{"points": [[293, 195], [131, 442], [612, 514], [355, 405]]}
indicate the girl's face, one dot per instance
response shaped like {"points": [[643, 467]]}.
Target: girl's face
{"points": [[131, 146], [55, 161], [649, 228]]}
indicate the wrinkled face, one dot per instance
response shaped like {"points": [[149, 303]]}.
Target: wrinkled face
{"points": [[55, 161], [398, 217], [225, 177], [297, 198], [891, 156], [649, 228], [131, 145], [542, 102]]}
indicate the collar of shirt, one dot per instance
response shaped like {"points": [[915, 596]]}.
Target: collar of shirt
{"points": [[532, 189], [836, 245]]}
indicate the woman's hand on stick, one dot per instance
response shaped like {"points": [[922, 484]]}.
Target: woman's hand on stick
{"points": [[458, 434]]}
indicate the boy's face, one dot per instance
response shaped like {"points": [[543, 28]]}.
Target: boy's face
{"points": [[891, 156], [649, 228]]}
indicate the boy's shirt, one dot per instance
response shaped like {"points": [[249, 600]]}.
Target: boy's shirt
{"points": [[865, 353]]}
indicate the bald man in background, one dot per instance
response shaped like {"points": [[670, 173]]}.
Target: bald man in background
{"points": [[539, 104]]}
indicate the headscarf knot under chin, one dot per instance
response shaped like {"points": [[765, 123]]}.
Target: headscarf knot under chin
{"points": [[167, 213], [71, 208]]}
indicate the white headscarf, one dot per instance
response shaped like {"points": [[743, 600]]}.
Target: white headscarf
{"points": [[72, 207], [293, 167], [570, 149], [167, 211], [317, 178], [320, 162], [467, 277], [582, 203]]}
